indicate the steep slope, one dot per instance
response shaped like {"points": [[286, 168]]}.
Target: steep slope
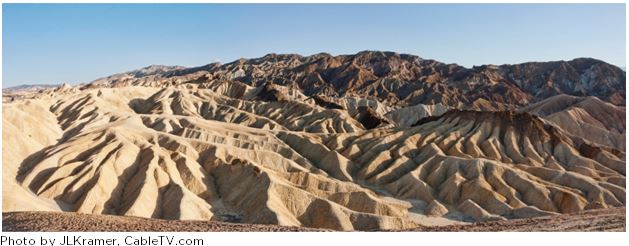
{"points": [[114, 161], [487, 164], [226, 151], [261, 111], [586, 117], [26, 128], [408, 116]]}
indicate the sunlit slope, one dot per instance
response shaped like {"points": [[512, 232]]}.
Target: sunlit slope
{"points": [[270, 155]]}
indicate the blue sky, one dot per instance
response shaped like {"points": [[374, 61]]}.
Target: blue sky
{"points": [[54, 43]]}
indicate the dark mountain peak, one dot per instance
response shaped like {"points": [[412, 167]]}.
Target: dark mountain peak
{"points": [[321, 55], [586, 63], [274, 56], [405, 79], [377, 53], [581, 63]]}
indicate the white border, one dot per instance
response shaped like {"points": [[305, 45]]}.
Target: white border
{"points": [[363, 238]]}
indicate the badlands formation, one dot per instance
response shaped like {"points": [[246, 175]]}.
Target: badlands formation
{"points": [[371, 141]]}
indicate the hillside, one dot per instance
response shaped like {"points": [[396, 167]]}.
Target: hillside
{"points": [[371, 141]]}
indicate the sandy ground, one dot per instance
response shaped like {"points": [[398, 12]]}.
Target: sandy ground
{"points": [[592, 220], [55, 221]]}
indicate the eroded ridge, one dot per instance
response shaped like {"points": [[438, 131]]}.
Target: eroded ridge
{"points": [[231, 152]]}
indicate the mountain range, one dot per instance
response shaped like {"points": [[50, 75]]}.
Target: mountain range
{"points": [[369, 141]]}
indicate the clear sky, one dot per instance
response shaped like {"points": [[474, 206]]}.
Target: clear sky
{"points": [[54, 43]]}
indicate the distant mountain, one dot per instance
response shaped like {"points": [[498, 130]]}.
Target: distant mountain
{"points": [[27, 88], [401, 79], [145, 73]]}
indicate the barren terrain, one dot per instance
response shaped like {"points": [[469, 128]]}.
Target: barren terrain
{"points": [[54, 222], [372, 141], [591, 220]]}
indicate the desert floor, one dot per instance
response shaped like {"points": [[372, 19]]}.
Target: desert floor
{"points": [[56, 221], [591, 220]]}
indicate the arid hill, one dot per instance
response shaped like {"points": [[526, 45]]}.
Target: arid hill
{"points": [[370, 141], [585, 117]]}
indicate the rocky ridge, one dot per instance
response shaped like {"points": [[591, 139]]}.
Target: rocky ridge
{"points": [[370, 141]]}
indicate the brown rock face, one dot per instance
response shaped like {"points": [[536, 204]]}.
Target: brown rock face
{"points": [[325, 102], [270, 93], [403, 79], [369, 118]]}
